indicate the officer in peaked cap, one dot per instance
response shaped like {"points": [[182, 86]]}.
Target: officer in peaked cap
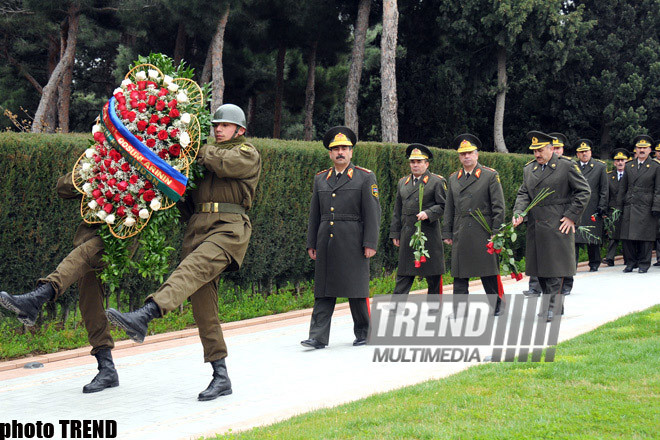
{"points": [[560, 144], [595, 171], [407, 213], [619, 156], [550, 249], [474, 187], [639, 201], [657, 237], [342, 234]]}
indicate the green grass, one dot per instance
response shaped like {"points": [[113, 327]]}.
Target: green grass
{"points": [[603, 384]]}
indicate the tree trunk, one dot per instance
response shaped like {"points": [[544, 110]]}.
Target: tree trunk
{"points": [[216, 61], [308, 132], [64, 88], [279, 90], [605, 138], [357, 61], [502, 85], [180, 44], [252, 108], [388, 109], [206, 71], [50, 90]]}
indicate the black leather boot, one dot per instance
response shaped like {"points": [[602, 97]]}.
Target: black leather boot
{"points": [[220, 385], [135, 323], [107, 376], [28, 305]]}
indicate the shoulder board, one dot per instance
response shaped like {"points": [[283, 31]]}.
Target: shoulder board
{"points": [[454, 173], [363, 169], [566, 158], [601, 161], [488, 168], [656, 160], [533, 160], [437, 175], [629, 160], [324, 171], [610, 171]]}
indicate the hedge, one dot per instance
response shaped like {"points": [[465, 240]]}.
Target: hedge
{"points": [[37, 227]]}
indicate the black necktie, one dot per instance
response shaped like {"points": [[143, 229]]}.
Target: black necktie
{"points": [[338, 176], [619, 176], [415, 180], [467, 175], [543, 167]]}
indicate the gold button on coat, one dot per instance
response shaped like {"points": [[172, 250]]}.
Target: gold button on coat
{"points": [[332, 208]]}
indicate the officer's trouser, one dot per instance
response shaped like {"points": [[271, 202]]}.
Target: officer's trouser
{"points": [[81, 265], [551, 287], [319, 327], [638, 253], [593, 252], [405, 282], [461, 288], [196, 277], [612, 248]]}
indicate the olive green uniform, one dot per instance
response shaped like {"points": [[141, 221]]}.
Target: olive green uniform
{"points": [[82, 265], [481, 191], [595, 171], [214, 242], [402, 227]]}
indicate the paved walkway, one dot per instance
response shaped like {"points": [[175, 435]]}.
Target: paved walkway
{"points": [[273, 377]]}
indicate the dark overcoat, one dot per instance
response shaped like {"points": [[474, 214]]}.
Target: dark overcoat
{"points": [[404, 217], [595, 171], [481, 191], [613, 189], [549, 252], [344, 218], [638, 198]]}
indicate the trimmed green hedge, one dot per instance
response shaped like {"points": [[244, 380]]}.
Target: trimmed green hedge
{"points": [[36, 226]]}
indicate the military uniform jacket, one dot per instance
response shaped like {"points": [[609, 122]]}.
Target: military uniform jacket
{"points": [[549, 252], [231, 176], [613, 189], [595, 171], [344, 218], [481, 191], [638, 198], [402, 227]]}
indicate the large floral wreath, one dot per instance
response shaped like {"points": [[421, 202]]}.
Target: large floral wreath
{"points": [[140, 163]]}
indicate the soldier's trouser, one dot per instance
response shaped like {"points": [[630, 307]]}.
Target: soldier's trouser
{"points": [[405, 282], [534, 285], [319, 327], [196, 277], [612, 247], [81, 265], [461, 288], [551, 286], [638, 253], [657, 250], [593, 252]]}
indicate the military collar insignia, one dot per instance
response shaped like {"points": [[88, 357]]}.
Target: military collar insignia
{"points": [[425, 179], [408, 180], [349, 173], [460, 174], [477, 173], [535, 167], [329, 174]]}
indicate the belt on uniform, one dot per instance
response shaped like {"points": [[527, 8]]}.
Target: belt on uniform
{"points": [[219, 207], [341, 217]]}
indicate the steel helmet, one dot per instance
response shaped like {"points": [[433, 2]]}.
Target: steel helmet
{"points": [[230, 113]]}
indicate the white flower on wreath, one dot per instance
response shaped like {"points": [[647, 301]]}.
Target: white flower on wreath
{"points": [[130, 221], [93, 204], [185, 118], [141, 76], [153, 74], [126, 82], [89, 153], [87, 187], [144, 213], [173, 87], [117, 90], [86, 166], [102, 214], [184, 139], [96, 128], [110, 219], [155, 205], [167, 80], [182, 97]]}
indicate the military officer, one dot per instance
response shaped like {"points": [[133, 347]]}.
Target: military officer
{"points": [[81, 265], [657, 237], [639, 201], [619, 157], [559, 144], [407, 214], [550, 250], [594, 171], [342, 235], [215, 241], [473, 188]]}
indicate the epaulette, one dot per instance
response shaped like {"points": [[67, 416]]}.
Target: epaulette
{"points": [[363, 169], [656, 160], [533, 160], [438, 175], [566, 158], [488, 168], [601, 161], [610, 171], [454, 173], [324, 171]]}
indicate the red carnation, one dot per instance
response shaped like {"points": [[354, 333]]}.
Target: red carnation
{"points": [[121, 211], [153, 119], [174, 132], [97, 158], [101, 168], [139, 138], [417, 263], [593, 218], [102, 151], [174, 113], [498, 251], [141, 125], [125, 167], [107, 163], [151, 143], [148, 196], [100, 185], [108, 194], [165, 120], [148, 185], [96, 193], [142, 85], [152, 129], [124, 114], [162, 135], [141, 191], [152, 84], [151, 100], [133, 180], [121, 107], [121, 100], [162, 92], [117, 95], [490, 251], [134, 95], [128, 200], [422, 259], [142, 95], [112, 182], [116, 198], [135, 211], [131, 86], [142, 107], [112, 171], [114, 154], [160, 105], [131, 116], [519, 276], [103, 177], [163, 154], [121, 186], [172, 103], [98, 137], [175, 150], [100, 201], [134, 103]]}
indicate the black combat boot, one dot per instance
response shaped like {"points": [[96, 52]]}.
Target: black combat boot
{"points": [[28, 305], [220, 384], [107, 376], [135, 323]]}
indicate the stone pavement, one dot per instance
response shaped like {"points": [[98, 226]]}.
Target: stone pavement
{"points": [[273, 376]]}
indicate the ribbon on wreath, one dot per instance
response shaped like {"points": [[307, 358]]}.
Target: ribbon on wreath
{"points": [[161, 174]]}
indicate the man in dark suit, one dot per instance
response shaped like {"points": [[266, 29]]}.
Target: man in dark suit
{"points": [[619, 157], [342, 235], [407, 214]]}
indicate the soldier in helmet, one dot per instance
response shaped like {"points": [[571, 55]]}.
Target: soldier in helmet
{"points": [[342, 235], [407, 214], [639, 201], [215, 241]]}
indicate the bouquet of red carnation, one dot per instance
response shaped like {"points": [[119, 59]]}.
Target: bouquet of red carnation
{"points": [[501, 243], [418, 239]]}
